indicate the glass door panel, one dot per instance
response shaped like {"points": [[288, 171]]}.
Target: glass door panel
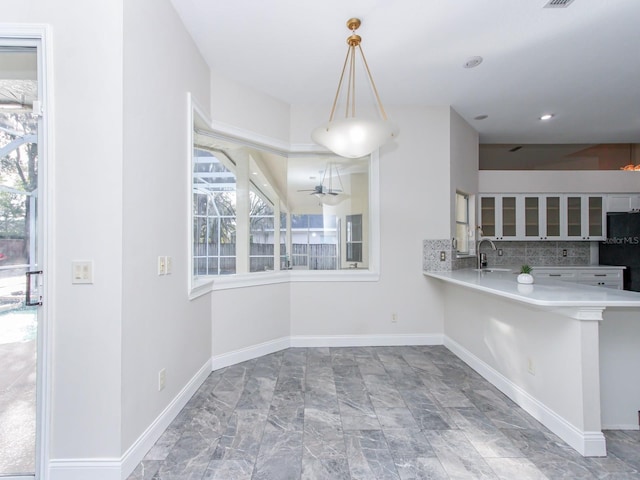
{"points": [[488, 216], [531, 217], [595, 217], [18, 255], [574, 216], [508, 216], [553, 216]]}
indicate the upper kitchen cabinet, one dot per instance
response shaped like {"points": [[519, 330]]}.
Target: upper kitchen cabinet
{"points": [[623, 202], [498, 216], [542, 216], [585, 217]]}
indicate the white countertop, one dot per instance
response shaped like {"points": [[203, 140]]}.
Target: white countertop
{"points": [[544, 293]]}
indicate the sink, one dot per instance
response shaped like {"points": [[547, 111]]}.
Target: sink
{"points": [[489, 269]]}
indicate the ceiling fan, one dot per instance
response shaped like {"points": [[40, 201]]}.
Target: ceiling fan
{"points": [[321, 190], [327, 188]]}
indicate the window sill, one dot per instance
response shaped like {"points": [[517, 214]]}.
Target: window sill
{"points": [[346, 275], [205, 285]]}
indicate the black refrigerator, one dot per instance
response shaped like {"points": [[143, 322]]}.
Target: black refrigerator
{"points": [[622, 246]]}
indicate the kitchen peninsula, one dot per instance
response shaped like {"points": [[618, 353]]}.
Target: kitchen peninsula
{"points": [[564, 352]]}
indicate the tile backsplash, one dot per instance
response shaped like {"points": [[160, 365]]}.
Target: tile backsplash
{"points": [[431, 257], [513, 254], [538, 253]]}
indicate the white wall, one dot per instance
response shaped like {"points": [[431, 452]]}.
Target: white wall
{"points": [[414, 186], [161, 328], [464, 163], [498, 181], [239, 106], [86, 223], [246, 317], [414, 178]]}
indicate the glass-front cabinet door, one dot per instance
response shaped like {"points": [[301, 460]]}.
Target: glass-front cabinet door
{"points": [[552, 216], [487, 220], [574, 216], [596, 217], [499, 218], [532, 217], [509, 218], [542, 217], [585, 217]]}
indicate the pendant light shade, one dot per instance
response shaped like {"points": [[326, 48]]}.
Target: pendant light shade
{"points": [[354, 136]]}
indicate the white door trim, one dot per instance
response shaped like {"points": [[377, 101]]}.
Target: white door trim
{"points": [[39, 35]]}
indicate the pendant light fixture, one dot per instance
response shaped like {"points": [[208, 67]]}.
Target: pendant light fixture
{"points": [[353, 136]]}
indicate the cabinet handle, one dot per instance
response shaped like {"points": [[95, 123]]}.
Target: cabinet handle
{"points": [[599, 274], [555, 274]]}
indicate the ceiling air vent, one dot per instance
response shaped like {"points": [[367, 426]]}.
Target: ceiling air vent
{"points": [[558, 3]]}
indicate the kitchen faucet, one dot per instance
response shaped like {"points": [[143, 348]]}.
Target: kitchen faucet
{"points": [[482, 257]]}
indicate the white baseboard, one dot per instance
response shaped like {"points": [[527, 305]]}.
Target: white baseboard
{"points": [[588, 444], [255, 351], [365, 340], [136, 452], [249, 353], [84, 468], [120, 468]]}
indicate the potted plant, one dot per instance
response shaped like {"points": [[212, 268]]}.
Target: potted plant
{"points": [[525, 275]]}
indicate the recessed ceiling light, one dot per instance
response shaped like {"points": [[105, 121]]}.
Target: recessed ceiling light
{"points": [[473, 62], [255, 173], [480, 117], [547, 116]]}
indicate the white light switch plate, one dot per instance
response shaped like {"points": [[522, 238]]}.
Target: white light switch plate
{"points": [[162, 265], [82, 271]]}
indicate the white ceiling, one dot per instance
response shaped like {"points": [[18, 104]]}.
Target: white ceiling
{"points": [[581, 63]]}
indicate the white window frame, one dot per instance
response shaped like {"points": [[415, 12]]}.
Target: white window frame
{"points": [[467, 223], [276, 256], [201, 286]]}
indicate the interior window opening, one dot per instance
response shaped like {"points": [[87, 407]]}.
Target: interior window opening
{"points": [[256, 209]]}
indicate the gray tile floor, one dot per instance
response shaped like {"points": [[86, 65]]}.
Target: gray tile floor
{"points": [[367, 413]]}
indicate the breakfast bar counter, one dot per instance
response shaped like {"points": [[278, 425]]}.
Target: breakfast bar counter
{"points": [[546, 293], [566, 353]]}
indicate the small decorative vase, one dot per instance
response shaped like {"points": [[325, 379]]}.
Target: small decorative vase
{"points": [[525, 278]]}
